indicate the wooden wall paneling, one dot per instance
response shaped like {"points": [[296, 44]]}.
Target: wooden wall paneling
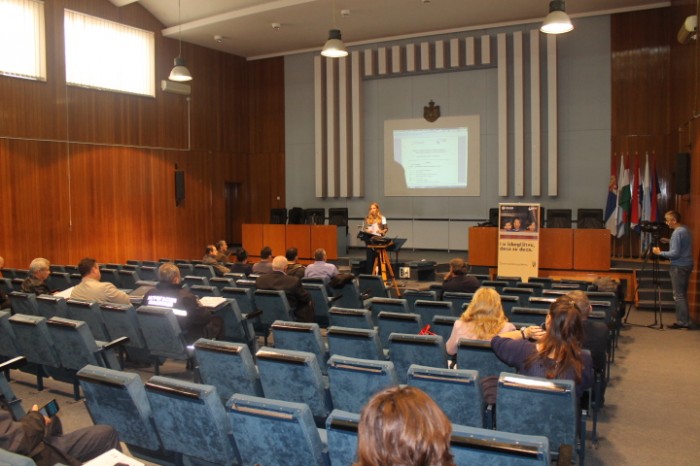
{"points": [[266, 94]]}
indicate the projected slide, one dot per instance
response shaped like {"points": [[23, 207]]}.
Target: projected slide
{"points": [[432, 159]]}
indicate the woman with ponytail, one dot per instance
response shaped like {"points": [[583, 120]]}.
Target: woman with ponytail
{"points": [[555, 353]]}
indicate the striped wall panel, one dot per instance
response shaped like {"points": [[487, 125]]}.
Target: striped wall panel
{"points": [[522, 94]]}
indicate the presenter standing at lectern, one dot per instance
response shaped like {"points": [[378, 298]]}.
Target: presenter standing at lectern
{"points": [[375, 224]]}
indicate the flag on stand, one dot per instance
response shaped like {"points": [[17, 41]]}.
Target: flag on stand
{"points": [[611, 204], [655, 191], [623, 197], [646, 205], [635, 185]]}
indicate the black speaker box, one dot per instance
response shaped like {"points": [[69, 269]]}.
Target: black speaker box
{"points": [[179, 187], [683, 173]]}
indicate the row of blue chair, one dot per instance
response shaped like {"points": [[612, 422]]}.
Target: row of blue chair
{"points": [[167, 421]]}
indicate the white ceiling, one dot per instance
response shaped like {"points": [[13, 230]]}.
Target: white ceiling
{"points": [[246, 25]]}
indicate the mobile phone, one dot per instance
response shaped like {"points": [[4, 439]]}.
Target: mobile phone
{"points": [[49, 409], [544, 325]]}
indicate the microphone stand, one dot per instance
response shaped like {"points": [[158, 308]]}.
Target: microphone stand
{"points": [[657, 289]]}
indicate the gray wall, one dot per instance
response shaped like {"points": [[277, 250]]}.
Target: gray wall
{"points": [[584, 138]]}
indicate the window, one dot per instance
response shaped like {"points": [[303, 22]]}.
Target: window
{"points": [[106, 55], [22, 39]]}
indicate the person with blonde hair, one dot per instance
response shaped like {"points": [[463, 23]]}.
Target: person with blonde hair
{"points": [[375, 225], [482, 320], [403, 426]]}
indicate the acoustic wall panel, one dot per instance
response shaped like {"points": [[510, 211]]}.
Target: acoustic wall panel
{"points": [[535, 138]]}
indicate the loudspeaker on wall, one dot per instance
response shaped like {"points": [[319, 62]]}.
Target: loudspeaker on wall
{"points": [[179, 187], [683, 173]]}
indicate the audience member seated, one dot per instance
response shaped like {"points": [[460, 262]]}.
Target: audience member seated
{"points": [[457, 279], [39, 271], [210, 258], [91, 288], [299, 299], [294, 268], [403, 426], [595, 334], [265, 264], [42, 439], [320, 268], [556, 352], [241, 265], [482, 320], [221, 251], [195, 321]]}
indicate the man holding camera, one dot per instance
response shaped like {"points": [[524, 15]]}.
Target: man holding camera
{"points": [[680, 252]]}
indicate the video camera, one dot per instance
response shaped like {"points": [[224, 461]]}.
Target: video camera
{"points": [[651, 227]]}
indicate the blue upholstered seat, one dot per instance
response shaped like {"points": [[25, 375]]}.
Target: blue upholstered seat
{"points": [[347, 317], [24, 303], [111, 276], [498, 285], [478, 355], [411, 296], [222, 282], [191, 420], [475, 446], [523, 294], [205, 290], [204, 270], [442, 325], [393, 322], [457, 392], [349, 295], [8, 339], [372, 285], [294, 376], [276, 433], [129, 279], [536, 288], [459, 301], [119, 399], [237, 328], [530, 315], [88, 312], [228, 366], [50, 306], [163, 334], [538, 406], [274, 306], [59, 280], [540, 302], [319, 296], [341, 429], [301, 336], [427, 310], [396, 305], [354, 381], [191, 280], [424, 350], [76, 347], [355, 343], [120, 319]]}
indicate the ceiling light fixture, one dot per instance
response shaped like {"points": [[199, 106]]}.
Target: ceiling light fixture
{"points": [[334, 47], [557, 21], [180, 72]]}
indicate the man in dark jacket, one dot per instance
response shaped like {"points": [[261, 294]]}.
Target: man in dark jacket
{"points": [[195, 320], [299, 299], [42, 439]]}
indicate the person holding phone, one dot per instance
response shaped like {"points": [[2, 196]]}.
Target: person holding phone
{"points": [[40, 436]]}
